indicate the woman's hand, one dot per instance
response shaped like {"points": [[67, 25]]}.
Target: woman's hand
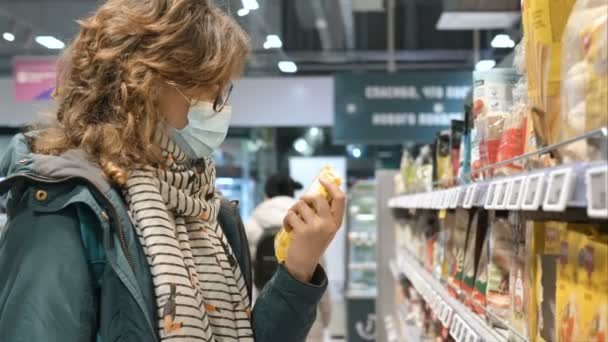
{"points": [[313, 221]]}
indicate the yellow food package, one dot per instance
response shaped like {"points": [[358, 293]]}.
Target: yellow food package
{"points": [[544, 23], [568, 302], [596, 54], [283, 238], [546, 279], [535, 241], [593, 296]]}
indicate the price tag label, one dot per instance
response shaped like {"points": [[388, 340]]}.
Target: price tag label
{"points": [[515, 193], [500, 201], [471, 191], [446, 199], [559, 190], [455, 326], [596, 179], [473, 337], [448, 317], [454, 198], [490, 196], [533, 187]]}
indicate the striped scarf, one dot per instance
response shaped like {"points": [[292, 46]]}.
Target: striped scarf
{"points": [[200, 291]]}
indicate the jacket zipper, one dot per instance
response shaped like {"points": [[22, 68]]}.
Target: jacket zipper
{"points": [[121, 230]]}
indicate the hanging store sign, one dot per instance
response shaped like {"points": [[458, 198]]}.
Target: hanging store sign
{"points": [[395, 108], [34, 78]]}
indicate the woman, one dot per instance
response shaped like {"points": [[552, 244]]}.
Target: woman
{"points": [[115, 231]]}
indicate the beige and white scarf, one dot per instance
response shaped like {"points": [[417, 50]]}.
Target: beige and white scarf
{"points": [[200, 291]]}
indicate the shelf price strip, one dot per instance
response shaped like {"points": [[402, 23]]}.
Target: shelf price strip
{"points": [[596, 180], [559, 189], [534, 187]]}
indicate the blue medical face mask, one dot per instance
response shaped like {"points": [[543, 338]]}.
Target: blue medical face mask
{"points": [[205, 132]]}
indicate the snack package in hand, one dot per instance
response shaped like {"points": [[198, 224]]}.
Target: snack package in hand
{"points": [[283, 238]]}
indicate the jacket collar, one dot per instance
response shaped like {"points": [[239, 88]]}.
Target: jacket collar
{"points": [[19, 159]]}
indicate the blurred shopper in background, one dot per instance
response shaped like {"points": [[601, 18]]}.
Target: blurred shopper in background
{"points": [[115, 229], [262, 227]]}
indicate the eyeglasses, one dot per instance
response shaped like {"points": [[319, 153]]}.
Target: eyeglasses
{"points": [[222, 99], [218, 104]]}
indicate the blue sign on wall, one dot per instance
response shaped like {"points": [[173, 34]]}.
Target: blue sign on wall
{"points": [[395, 108]]}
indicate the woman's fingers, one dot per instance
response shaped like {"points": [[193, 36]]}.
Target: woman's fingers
{"points": [[304, 211], [292, 220], [319, 203], [338, 200]]}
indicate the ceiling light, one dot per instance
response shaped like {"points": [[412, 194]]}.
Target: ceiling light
{"points": [[485, 65], [315, 131], [300, 145], [8, 36], [356, 152], [242, 12], [50, 42], [273, 42], [250, 5], [503, 41], [288, 66]]}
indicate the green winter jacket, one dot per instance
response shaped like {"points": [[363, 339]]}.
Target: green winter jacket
{"points": [[72, 268]]}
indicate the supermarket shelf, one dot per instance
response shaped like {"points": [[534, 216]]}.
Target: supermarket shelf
{"points": [[464, 325], [580, 185]]}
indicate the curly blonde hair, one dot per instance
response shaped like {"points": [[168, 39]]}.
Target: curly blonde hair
{"points": [[109, 77]]}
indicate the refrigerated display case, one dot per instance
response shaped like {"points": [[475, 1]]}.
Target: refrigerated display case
{"points": [[361, 266]]}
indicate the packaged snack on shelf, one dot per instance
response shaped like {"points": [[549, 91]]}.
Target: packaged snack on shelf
{"points": [[592, 277], [585, 76], [544, 22], [568, 306], [546, 278], [283, 237], [424, 170], [498, 293], [481, 278], [442, 165], [464, 163], [535, 245], [493, 99], [408, 171], [454, 253], [520, 291], [512, 140], [475, 237], [456, 136]]}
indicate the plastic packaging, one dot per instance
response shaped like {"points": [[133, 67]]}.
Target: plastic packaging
{"points": [[283, 238], [585, 76], [493, 99], [512, 140], [544, 22]]}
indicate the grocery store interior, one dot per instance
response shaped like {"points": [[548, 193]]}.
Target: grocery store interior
{"points": [[471, 138]]}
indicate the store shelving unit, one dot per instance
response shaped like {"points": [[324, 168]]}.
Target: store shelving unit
{"points": [[580, 187], [361, 266]]}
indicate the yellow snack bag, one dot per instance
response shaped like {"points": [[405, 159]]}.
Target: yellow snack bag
{"points": [[593, 276], [283, 238]]}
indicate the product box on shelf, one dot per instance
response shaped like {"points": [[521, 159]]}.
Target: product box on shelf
{"points": [[481, 278], [442, 162], [546, 278], [498, 293], [475, 237], [456, 135], [592, 269], [455, 249], [520, 291], [568, 305]]}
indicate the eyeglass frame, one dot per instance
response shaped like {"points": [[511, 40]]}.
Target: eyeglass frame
{"points": [[217, 106]]}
